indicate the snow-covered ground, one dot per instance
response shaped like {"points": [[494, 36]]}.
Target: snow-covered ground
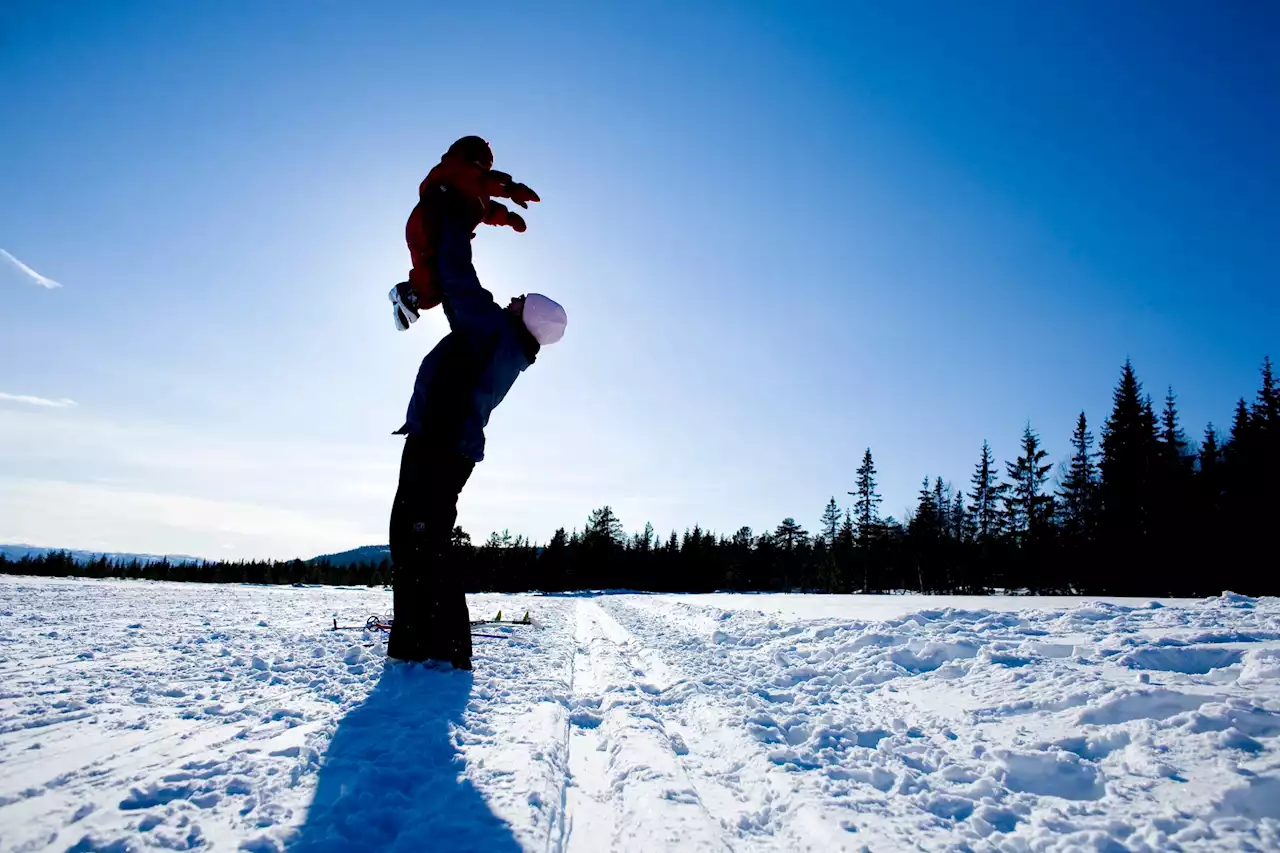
{"points": [[140, 716]]}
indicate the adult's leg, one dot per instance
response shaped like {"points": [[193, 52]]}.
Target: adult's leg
{"points": [[415, 544], [449, 634], [431, 618], [407, 558]]}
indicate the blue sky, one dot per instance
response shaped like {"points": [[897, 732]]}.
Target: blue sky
{"points": [[782, 232]]}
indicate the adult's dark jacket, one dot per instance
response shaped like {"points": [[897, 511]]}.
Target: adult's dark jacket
{"points": [[464, 378]]}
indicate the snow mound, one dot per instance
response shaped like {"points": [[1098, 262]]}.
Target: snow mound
{"points": [[1261, 666], [1258, 799], [931, 656], [1197, 660], [1127, 705], [1057, 774]]}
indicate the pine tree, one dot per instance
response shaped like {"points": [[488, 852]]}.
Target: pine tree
{"points": [[1209, 486], [844, 538], [830, 570], [1250, 502], [1267, 407], [552, 566], [843, 552], [985, 497], [830, 522], [1241, 425], [942, 504], [1129, 454], [1149, 420], [1079, 489], [1026, 506], [603, 541], [1210, 456], [1266, 417], [924, 532], [1173, 497], [691, 544], [925, 522], [644, 541], [867, 499], [790, 535], [1265, 421], [603, 527], [960, 523], [1239, 461], [1173, 444], [1253, 470]]}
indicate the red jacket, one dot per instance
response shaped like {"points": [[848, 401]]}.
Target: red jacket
{"points": [[475, 188]]}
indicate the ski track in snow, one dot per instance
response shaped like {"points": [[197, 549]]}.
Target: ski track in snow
{"points": [[141, 716]]}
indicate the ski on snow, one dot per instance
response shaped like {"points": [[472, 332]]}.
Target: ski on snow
{"points": [[383, 623]]}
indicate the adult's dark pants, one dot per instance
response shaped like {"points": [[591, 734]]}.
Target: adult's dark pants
{"points": [[431, 620]]}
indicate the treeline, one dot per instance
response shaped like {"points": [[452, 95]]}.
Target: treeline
{"points": [[1142, 511], [61, 564]]}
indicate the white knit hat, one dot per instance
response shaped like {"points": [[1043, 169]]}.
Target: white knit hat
{"points": [[544, 318]]}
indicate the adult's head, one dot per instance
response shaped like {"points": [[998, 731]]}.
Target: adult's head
{"points": [[474, 150], [543, 317]]}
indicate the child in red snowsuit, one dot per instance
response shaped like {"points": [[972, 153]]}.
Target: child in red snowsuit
{"points": [[463, 178]]}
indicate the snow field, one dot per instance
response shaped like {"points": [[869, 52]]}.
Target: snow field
{"points": [[147, 716]]}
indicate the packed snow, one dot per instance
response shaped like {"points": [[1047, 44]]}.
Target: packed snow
{"points": [[140, 716]]}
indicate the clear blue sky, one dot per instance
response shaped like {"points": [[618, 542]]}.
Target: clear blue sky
{"points": [[782, 232]]}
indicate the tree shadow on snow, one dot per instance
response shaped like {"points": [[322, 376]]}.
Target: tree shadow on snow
{"points": [[392, 779]]}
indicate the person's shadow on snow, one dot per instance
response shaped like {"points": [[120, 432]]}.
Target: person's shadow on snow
{"points": [[392, 779]]}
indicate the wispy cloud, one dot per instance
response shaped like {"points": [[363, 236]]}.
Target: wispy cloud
{"points": [[36, 401], [35, 276]]}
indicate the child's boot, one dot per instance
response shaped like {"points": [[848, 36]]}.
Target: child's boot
{"points": [[404, 304]]}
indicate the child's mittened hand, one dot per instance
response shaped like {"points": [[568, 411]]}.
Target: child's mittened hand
{"points": [[497, 183], [498, 214], [504, 186], [521, 194]]}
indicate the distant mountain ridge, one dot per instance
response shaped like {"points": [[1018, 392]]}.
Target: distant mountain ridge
{"points": [[363, 554], [18, 551]]}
